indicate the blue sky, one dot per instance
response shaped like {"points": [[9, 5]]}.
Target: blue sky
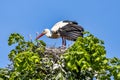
{"points": [[100, 17]]}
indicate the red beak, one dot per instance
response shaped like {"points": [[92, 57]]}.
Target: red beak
{"points": [[39, 36]]}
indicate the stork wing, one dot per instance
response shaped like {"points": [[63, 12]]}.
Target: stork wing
{"points": [[71, 31]]}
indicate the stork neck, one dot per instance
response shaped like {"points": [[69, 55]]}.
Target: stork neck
{"points": [[48, 34]]}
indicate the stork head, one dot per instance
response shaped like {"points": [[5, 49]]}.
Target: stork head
{"points": [[45, 32]]}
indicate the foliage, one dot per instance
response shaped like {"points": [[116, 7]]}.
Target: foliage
{"points": [[26, 60], [115, 68], [4, 74], [84, 60]]}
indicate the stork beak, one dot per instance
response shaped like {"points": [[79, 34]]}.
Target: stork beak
{"points": [[40, 35]]}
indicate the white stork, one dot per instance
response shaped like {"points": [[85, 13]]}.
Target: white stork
{"points": [[66, 29]]}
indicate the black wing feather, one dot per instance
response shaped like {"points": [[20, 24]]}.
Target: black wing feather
{"points": [[71, 31], [70, 22]]}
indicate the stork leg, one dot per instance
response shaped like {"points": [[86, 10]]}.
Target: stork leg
{"points": [[63, 42]]}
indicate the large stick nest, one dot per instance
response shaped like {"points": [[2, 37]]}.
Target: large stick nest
{"points": [[55, 52]]}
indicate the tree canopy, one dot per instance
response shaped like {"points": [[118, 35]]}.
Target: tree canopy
{"points": [[84, 60]]}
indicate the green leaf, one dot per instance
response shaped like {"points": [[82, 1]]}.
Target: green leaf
{"points": [[97, 59], [118, 75], [118, 67], [1, 79], [80, 61], [34, 57], [18, 59], [84, 67], [74, 67], [37, 61], [17, 65], [95, 54], [69, 64], [105, 61]]}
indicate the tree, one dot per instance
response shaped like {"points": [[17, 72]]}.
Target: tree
{"points": [[84, 60]]}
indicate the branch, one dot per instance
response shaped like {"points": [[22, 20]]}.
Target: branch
{"points": [[56, 52]]}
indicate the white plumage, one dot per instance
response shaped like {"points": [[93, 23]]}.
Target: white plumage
{"points": [[57, 26]]}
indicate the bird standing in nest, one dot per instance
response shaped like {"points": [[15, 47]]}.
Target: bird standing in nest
{"points": [[67, 30]]}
